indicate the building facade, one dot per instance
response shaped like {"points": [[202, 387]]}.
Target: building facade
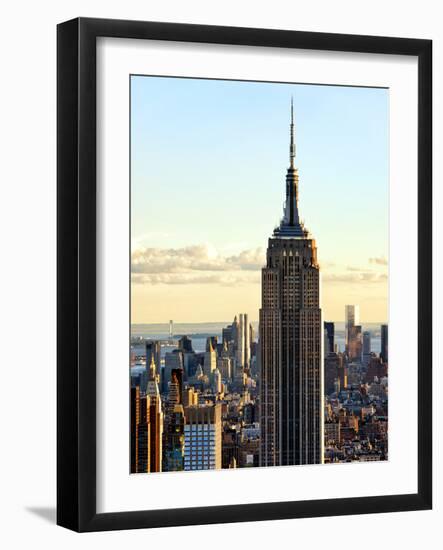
{"points": [[173, 360], [135, 422], [175, 439], [210, 362], [329, 346], [384, 343], [155, 413], [203, 437], [366, 353], [352, 318], [153, 352], [291, 338], [355, 343]]}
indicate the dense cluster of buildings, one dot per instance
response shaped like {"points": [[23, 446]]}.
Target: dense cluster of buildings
{"points": [[356, 394], [196, 410], [290, 397]]}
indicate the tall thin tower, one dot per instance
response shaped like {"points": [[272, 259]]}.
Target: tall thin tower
{"points": [[352, 318], [155, 420], [247, 341], [240, 353], [291, 363]]}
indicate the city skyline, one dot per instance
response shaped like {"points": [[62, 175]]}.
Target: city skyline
{"points": [[291, 397], [254, 321], [195, 257]]}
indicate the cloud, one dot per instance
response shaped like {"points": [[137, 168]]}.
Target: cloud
{"points": [[197, 264], [224, 279], [356, 277], [378, 261], [204, 265], [327, 265]]}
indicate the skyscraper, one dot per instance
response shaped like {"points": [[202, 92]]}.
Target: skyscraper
{"points": [[185, 344], [135, 421], [224, 363], [211, 342], [329, 337], [143, 435], [203, 437], [355, 344], [175, 440], [217, 381], [227, 334], [332, 363], [174, 397], [240, 352], [366, 357], [234, 331], [352, 318], [173, 360], [291, 332], [384, 343], [210, 362], [153, 350], [155, 422], [140, 431], [247, 342]]}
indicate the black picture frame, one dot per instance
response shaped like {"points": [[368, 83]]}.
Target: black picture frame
{"points": [[76, 280]]}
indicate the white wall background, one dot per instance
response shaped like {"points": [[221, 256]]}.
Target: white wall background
{"points": [[27, 287]]}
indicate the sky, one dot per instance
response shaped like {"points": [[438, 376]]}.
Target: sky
{"points": [[208, 167]]}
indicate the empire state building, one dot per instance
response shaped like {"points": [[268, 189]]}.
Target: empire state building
{"points": [[291, 364]]}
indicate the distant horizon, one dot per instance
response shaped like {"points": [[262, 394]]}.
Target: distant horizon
{"points": [[226, 322]]}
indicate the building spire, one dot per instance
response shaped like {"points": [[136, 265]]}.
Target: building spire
{"points": [[290, 225], [152, 369], [292, 142], [291, 178]]}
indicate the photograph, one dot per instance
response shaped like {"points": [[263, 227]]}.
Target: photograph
{"points": [[221, 243], [259, 274]]}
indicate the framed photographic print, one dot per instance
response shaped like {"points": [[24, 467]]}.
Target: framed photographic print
{"points": [[244, 274]]}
